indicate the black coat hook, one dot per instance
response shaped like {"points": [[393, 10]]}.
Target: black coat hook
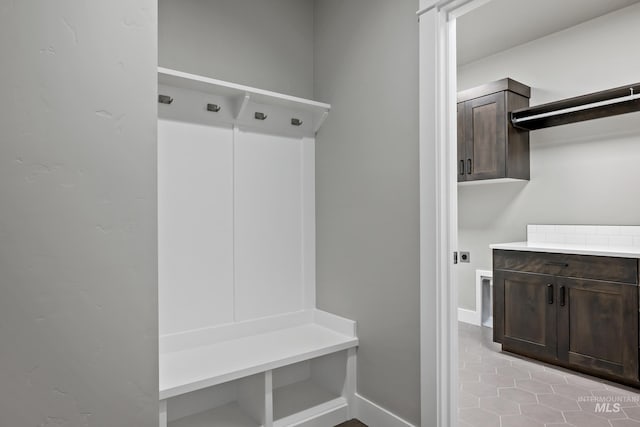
{"points": [[165, 99]]}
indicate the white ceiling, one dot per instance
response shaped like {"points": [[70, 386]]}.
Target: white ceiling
{"points": [[503, 24]]}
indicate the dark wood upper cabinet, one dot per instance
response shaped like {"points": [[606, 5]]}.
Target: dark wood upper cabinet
{"points": [[577, 311], [489, 147]]}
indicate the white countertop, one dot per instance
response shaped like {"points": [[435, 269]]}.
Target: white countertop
{"points": [[566, 248]]}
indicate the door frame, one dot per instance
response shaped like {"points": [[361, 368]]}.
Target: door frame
{"points": [[439, 208]]}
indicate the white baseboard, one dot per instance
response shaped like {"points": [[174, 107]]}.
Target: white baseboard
{"points": [[376, 416], [469, 316]]}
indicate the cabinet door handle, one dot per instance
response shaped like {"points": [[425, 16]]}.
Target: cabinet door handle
{"points": [[562, 296], [550, 293], [461, 167], [469, 166]]}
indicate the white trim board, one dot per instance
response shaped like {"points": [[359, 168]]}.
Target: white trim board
{"points": [[438, 208], [438, 221], [376, 416]]}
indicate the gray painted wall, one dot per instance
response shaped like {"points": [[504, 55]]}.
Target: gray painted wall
{"points": [[78, 285], [266, 44], [583, 173], [367, 189]]}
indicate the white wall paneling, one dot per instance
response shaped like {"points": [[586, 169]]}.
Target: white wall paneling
{"points": [[236, 202], [268, 224], [195, 225]]}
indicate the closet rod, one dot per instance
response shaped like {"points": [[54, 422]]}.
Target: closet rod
{"points": [[598, 104]]}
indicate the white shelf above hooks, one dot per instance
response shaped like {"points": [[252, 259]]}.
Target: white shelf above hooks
{"points": [[237, 104]]}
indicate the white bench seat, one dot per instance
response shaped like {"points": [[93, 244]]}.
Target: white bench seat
{"points": [[183, 370]]}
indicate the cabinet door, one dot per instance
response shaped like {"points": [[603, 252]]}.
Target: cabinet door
{"points": [[598, 327], [525, 313], [485, 137], [461, 144]]}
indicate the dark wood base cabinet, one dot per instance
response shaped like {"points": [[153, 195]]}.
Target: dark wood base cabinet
{"points": [[576, 311]]}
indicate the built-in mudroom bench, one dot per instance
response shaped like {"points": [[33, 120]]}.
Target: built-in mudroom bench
{"points": [[241, 340], [289, 370], [569, 296]]}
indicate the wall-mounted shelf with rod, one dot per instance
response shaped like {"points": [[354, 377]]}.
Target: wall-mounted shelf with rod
{"points": [[611, 102], [193, 98]]}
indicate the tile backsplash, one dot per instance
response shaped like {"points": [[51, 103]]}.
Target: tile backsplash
{"points": [[620, 236]]}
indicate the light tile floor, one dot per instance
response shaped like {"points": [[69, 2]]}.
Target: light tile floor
{"points": [[502, 390]]}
